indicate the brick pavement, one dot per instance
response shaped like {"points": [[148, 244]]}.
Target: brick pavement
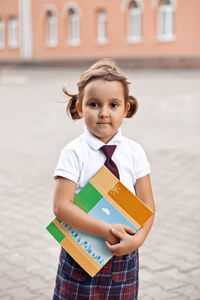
{"points": [[34, 128]]}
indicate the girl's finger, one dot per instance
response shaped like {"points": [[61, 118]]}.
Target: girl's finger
{"points": [[117, 233], [129, 229], [109, 246], [113, 248]]}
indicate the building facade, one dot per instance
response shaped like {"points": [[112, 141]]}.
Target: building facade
{"points": [[60, 30]]}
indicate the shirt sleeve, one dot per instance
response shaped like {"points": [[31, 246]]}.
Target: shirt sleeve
{"points": [[142, 166], [68, 165]]}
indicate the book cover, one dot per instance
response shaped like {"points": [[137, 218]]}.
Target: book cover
{"points": [[105, 198]]}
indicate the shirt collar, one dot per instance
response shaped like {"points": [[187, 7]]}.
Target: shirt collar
{"points": [[95, 143]]}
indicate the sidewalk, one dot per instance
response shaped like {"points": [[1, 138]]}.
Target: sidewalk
{"points": [[34, 129]]}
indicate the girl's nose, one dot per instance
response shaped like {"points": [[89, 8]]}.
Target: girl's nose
{"points": [[103, 113]]}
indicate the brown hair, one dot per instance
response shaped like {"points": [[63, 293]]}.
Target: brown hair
{"points": [[103, 69]]}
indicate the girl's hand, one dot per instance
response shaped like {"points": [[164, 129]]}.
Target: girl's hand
{"points": [[127, 244], [110, 237], [122, 228], [113, 239]]}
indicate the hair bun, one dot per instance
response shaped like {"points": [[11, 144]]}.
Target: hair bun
{"points": [[133, 106]]}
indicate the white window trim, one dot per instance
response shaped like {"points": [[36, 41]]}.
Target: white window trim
{"points": [[125, 4], [131, 13], [13, 31], [2, 33], [155, 3], [102, 27], [165, 37], [51, 42], [74, 20]]}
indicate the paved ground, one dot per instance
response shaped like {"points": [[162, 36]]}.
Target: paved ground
{"points": [[34, 128]]}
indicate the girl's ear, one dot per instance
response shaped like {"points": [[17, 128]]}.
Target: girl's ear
{"points": [[79, 109], [126, 109]]}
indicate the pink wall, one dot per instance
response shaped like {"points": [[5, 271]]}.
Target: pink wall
{"points": [[187, 30], [186, 43]]}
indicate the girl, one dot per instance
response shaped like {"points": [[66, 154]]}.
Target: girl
{"points": [[102, 101]]}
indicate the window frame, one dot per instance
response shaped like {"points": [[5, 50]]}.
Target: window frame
{"points": [[51, 27], [132, 14], [73, 27], [102, 36], [2, 34], [13, 32], [166, 28]]}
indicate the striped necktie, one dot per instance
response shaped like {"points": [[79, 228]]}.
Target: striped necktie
{"points": [[109, 163]]}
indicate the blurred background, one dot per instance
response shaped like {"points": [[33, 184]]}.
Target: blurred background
{"points": [[45, 44], [148, 33]]}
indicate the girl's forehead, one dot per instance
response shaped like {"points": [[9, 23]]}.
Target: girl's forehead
{"points": [[102, 86]]}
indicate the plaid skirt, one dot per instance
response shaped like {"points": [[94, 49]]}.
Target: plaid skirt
{"points": [[117, 280]]}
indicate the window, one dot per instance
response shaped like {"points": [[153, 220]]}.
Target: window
{"points": [[166, 20], [134, 21], [74, 27], [2, 37], [51, 29], [13, 38], [102, 27]]}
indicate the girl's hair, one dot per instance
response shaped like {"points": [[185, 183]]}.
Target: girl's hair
{"points": [[103, 69]]}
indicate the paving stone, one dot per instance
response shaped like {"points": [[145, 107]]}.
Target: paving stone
{"points": [[15, 258], [189, 266], [143, 295], [155, 265], [168, 283], [6, 283], [18, 274], [156, 292], [192, 291], [175, 274], [47, 292], [22, 293], [3, 250], [145, 274], [179, 297], [36, 283], [41, 297], [5, 297]]}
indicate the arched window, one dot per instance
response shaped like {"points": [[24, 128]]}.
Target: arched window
{"points": [[2, 36], [13, 38], [101, 27], [73, 27], [51, 28], [166, 20], [134, 21]]}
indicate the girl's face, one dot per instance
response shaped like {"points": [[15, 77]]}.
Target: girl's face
{"points": [[103, 108]]}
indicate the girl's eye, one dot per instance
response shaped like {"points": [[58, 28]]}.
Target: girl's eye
{"points": [[93, 104], [113, 105]]}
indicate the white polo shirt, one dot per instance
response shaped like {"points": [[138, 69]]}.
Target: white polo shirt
{"points": [[82, 158]]}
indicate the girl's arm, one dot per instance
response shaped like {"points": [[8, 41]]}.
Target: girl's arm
{"points": [[130, 243], [69, 213]]}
